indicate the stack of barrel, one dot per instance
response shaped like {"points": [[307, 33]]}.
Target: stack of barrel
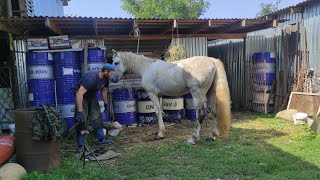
{"points": [[40, 74], [189, 108], [264, 74], [173, 108], [124, 105], [146, 111], [67, 71]]}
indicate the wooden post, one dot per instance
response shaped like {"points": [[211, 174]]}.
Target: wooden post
{"points": [[9, 8], [86, 58], [265, 86], [304, 47], [277, 98]]}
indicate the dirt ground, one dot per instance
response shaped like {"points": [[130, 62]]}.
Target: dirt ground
{"points": [[131, 137]]}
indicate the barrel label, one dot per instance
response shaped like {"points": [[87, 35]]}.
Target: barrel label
{"points": [[30, 97], [40, 72], [259, 67], [145, 107], [67, 111], [92, 67], [50, 57], [189, 103], [143, 95], [258, 87], [172, 104], [147, 119], [124, 106], [70, 71]]}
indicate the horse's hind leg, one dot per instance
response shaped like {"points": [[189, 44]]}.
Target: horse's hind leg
{"points": [[212, 107], [200, 116], [154, 98]]}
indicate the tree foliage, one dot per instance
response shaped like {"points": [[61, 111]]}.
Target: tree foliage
{"points": [[267, 8], [165, 8]]}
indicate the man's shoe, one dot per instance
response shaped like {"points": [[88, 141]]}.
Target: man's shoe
{"points": [[106, 141]]}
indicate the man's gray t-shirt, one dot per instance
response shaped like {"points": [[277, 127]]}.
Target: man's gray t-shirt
{"points": [[92, 83]]}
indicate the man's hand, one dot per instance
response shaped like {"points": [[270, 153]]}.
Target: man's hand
{"points": [[79, 117], [106, 107]]}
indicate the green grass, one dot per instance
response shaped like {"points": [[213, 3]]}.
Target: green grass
{"points": [[259, 147]]}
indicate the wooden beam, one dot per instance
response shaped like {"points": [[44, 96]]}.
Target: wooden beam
{"points": [[296, 10], [161, 37], [202, 27], [274, 23], [268, 24], [23, 8], [95, 26], [231, 27], [53, 26], [8, 29], [171, 27]]}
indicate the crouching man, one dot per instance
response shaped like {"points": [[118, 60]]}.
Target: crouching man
{"points": [[87, 106]]}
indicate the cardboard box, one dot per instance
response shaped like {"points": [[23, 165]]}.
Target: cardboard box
{"points": [[59, 42], [37, 43]]}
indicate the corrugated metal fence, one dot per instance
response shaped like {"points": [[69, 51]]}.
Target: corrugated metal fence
{"points": [[282, 41], [20, 50], [194, 46]]}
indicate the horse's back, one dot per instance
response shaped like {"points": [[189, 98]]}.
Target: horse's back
{"points": [[200, 68]]}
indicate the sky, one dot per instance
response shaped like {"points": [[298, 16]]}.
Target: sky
{"points": [[217, 9]]}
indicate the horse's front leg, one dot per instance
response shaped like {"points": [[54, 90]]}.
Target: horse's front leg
{"points": [[158, 109]]}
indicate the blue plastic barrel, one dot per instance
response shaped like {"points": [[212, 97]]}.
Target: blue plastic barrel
{"points": [[40, 74], [124, 106], [173, 108], [146, 111], [259, 67], [264, 75], [190, 111], [96, 60], [67, 73]]}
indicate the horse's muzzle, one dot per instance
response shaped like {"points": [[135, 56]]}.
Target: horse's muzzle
{"points": [[115, 78]]}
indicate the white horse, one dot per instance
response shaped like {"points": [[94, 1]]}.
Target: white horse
{"points": [[203, 76]]}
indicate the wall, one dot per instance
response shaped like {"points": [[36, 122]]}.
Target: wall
{"points": [[194, 46]]}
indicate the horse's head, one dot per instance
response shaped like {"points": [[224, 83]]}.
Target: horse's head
{"points": [[119, 67]]}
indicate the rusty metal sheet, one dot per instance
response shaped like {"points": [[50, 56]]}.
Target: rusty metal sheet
{"points": [[305, 102]]}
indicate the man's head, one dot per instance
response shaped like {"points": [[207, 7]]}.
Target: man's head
{"points": [[108, 70]]}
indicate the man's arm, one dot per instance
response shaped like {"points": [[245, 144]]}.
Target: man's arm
{"points": [[104, 93], [79, 98]]}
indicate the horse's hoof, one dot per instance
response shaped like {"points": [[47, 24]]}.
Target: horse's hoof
{"points": [[158, 137], [191, 141], [211, 138]]}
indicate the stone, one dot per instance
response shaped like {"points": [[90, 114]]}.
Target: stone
{"points": [[286, 114]]}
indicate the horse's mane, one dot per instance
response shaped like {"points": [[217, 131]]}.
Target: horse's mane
{"points": [[129, 57], [131, 60]]}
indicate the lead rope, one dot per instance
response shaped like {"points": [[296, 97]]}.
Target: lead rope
{"points": [[136, 31]]}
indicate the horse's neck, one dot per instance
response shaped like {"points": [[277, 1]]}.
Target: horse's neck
{"points": [[138, 65]]}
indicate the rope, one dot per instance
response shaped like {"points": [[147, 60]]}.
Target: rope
{"points": [[136, 31]]}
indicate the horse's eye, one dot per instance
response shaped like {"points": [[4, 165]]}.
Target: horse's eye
{"points": [[116, 63]]}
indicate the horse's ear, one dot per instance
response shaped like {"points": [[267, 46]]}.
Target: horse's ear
{"points": [[114, 52]]}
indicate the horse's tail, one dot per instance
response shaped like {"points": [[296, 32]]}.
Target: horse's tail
{"points": [[220, 89]]}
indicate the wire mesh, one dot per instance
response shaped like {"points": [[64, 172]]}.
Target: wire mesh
{"points": [[258, 88], [6, 99]]}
